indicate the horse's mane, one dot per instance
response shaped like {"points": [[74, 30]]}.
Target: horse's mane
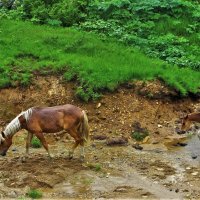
{"points": [[15, 125]]}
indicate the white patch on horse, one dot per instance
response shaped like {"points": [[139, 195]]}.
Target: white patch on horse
{"points": [[15, 125], [1, 138]]}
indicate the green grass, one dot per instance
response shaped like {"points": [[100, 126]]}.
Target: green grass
{"points": [[97, 65], [138, 136], [35, 143], [34, 194]]}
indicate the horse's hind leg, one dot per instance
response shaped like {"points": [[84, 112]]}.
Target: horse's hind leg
{"points": [[71, 152], [82, 151], [40, 136], [28, 142], [73, 133]]}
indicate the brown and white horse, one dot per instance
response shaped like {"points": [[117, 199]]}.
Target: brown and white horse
{"points": [[187, 121], [39, 120]]}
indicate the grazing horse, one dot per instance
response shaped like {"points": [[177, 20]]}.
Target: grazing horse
{"points": [[39, 120], [187, 121]]}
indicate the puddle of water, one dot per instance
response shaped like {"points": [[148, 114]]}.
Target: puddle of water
{"points": [[189, 153]]}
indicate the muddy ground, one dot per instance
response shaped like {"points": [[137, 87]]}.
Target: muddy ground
{"points": [[162, 169]]}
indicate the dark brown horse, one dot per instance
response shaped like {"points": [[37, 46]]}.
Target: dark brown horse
{"points": [[187, 120], [39, 120]]}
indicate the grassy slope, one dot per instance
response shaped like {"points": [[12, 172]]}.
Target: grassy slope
{"points": [[25, 48]]}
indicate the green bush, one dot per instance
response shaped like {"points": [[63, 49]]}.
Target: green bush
{"points": [[139, 136], [35, 143], [34, 194], [54, 12]]}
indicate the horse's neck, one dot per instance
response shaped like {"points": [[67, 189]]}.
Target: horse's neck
{"points": [[14, 126], [194, 117]]}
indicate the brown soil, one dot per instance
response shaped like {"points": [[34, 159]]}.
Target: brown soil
{"points": [[117, 171]]}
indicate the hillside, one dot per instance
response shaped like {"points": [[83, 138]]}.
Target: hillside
{"points": [[27, 49]]}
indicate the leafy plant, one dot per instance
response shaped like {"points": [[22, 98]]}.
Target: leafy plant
{"points": [[34, 194], [95, 166], [35, 143], [139, 136]]}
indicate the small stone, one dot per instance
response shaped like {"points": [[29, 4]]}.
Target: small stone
{"points": [[14, 149], [160, 126], [98, 105], [177, 190], [160, 169], [194, 156], [137, 146], [155, 142], [188, 168], [146, 139], [194, 173]]}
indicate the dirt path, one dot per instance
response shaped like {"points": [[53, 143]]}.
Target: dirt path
{"points": [[109, 172], [158, 171]]}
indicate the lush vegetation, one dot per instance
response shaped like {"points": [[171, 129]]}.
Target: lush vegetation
{"points": [[26, 49], [164, 29]]}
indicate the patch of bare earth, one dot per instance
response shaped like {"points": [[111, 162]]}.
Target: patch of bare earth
{"points": [[113, 168]]}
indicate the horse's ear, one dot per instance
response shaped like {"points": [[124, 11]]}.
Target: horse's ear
{"points": [[21, 119]]}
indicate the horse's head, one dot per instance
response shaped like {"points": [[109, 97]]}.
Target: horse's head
{"points": [[186, 123], [5, 143]]}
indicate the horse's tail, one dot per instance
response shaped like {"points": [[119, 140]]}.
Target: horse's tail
{"points": [[84, 128]]}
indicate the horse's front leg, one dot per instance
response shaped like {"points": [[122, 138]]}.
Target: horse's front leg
{"points": [[28, 142], [40, 136]]}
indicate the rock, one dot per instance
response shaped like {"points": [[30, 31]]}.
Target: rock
{"points": [[146, 139], [179, 131], [14, 149], [177, 190], [160, 126], [155, 142], [182, 144], [188, 168], [194, 156], [117, 141], [99, 137], [137, 146], [194, 173], [160, 169], [174, 140], [98, 105]]}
